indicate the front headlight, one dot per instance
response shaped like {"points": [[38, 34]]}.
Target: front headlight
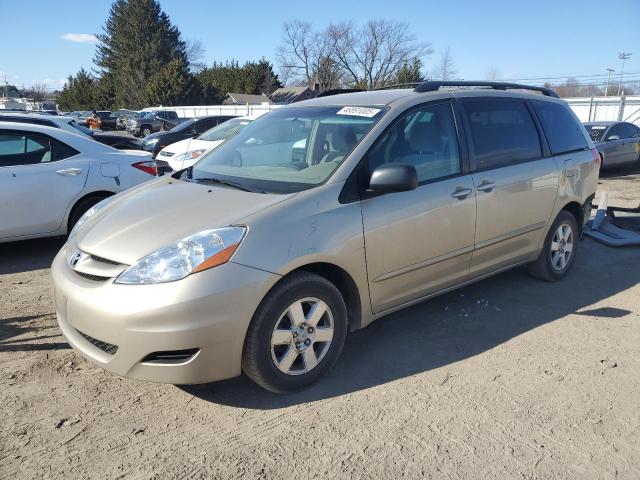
{"points": [[190, 155], [151, 141], [88, 214], [193, 254]]}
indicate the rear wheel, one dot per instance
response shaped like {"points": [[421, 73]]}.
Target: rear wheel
{"points": [[559, 250], [296, 334]]}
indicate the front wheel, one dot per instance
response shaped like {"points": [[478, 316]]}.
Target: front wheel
{"points": [[559, 250], [296, 334], [145, 131]]}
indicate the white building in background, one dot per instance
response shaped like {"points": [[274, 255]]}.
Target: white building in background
{"points": [[13, 103]]}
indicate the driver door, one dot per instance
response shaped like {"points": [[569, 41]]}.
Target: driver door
{"points": [[421, 241]]}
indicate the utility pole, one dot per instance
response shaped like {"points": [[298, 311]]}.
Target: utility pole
{"points": [[624, 56], [606, 88]]}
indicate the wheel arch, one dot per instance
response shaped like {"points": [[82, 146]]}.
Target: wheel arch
{"points": [[78, 201], [575, 209], [343, 281]]}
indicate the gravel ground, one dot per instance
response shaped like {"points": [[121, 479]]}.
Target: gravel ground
{"points": [[507, 378]]}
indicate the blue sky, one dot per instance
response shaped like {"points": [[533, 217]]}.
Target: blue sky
{"points": [[542, 38]]}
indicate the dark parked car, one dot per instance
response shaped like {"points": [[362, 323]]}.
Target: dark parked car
{"points": [[145, 123], [69, 123], [187, 129], [617, 142], [108, 119]]}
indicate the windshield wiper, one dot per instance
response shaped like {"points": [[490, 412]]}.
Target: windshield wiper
{"points": [[220, 181]]}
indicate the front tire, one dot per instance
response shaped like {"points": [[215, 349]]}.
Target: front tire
{"points": [[559, 250], [145, 131], [297, 333]]}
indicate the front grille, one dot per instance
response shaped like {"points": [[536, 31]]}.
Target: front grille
{"points": [[104, 260], [95, 278], [104, 346], [163, 167]]}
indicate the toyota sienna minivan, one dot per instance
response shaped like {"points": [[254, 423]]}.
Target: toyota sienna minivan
{"points": [[317, 219]]}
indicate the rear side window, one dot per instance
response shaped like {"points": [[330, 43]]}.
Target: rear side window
{"points": [[26, 148], [502, 133], [562, 130]]}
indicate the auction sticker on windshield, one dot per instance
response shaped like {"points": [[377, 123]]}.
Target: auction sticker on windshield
{"points": [[358, 111]]}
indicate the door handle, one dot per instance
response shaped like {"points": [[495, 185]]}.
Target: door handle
{"points": [[69, 172], [486, 186], [461, 193]]}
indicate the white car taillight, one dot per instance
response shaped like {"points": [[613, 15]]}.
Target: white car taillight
{"points": [[148, 166]]}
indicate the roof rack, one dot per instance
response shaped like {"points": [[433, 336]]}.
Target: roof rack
{"points": [[399, 85], [432, 86], [337, 91]]}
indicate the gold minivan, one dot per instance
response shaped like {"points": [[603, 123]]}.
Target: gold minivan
{"points": [[317, 219]]}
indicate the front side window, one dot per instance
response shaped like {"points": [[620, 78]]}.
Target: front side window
{"points": [[290, 149], [425, 138], [24, 148], [562, 130], [622, 131], [502, 133]]}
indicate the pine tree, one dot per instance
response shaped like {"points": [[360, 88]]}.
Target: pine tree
{"points": [[137, 43], [409, 72], [78, 92], [173, 85]]}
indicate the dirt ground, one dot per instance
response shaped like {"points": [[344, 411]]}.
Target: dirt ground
{"points": [[507, 378]]}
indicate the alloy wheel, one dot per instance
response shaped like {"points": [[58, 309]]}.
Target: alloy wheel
{"points": [[302, 336], [561, 247]]}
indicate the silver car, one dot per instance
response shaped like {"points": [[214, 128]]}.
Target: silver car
{"points": [[617, 142], [318, 219]]}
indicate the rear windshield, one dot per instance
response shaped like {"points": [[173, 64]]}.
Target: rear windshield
{"points": [[596, 132]]}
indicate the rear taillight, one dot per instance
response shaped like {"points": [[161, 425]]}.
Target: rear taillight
{"points": [[148, 166], [597, 159]]}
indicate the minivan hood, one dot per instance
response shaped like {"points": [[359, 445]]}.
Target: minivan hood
{"points": [[161, 212]]}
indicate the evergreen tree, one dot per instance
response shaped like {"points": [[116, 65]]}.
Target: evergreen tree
{"points": [[409, 72], [78, 92], [173, 85], [137, 43]]}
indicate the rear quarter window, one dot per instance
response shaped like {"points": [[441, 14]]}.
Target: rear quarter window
{"points": [[562, 130]]}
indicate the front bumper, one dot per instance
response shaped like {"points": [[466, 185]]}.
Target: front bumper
{"points": [[209, 311]]}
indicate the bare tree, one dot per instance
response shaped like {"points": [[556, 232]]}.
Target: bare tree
{"points": [[445, 70], [195, 55], [493, 74], [371, 55], [296, 51], [39, 92]]}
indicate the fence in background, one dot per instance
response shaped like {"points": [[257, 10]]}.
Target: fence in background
{"points": [[592, 109], [588, 109]]}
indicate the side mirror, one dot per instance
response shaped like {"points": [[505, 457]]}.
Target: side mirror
{"points": [[393, 177], [613, 137]]}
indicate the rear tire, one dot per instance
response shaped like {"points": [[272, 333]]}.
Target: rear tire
{"points": [[559, 250], [80, 209], [297, 333]]}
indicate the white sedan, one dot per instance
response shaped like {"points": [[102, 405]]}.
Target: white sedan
{"points": [[185, 153], [50, 177]]}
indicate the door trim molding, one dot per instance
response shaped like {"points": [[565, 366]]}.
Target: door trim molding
{"points": [[425, 263], [512, 234]]}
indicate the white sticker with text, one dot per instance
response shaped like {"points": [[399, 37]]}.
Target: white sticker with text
{"points": [[359, 111]]}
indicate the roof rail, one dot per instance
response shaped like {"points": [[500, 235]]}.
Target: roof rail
{"points": [[337, 91], [398, 85], [433, 86]]}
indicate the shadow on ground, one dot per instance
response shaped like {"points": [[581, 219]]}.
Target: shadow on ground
{"points": [[28, 255], [454, 327]]}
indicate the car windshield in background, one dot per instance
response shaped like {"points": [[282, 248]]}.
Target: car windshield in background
{"points": [[288, 150], [225, 130], [186, 125], [596, 132], [82, 128]]}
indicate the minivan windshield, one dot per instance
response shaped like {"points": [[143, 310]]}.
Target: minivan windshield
{"points": [[288, 150], [225, 130]]}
